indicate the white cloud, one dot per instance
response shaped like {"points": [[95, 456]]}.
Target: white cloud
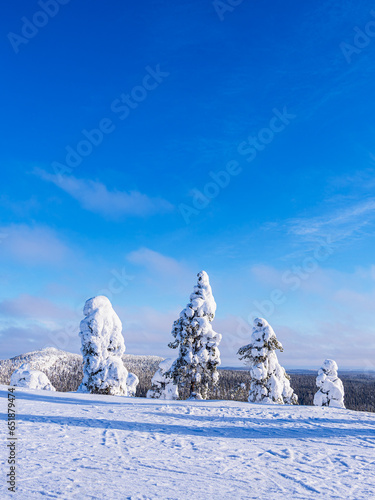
{"points": [[325, 283], [350, 344], [340, 224], [163, 272], [33, 323], [353, 300], [267, 275], [296, 277], [32, 245], [34, 308], [147, 330], [20, 208], [18, 338], [95, 197], [156, 262]]}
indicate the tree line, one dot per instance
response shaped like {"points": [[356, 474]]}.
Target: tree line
{"points": [[193, 373]]}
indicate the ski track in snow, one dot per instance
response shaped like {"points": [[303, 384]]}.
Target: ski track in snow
{"points": [[77, 446]]}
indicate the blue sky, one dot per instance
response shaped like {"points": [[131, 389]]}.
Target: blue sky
{"points": [[142, 143]]}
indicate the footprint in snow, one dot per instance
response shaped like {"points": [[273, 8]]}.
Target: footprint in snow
{"points": [[286, 454]]}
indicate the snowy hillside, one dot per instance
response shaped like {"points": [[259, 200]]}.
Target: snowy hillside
{"points": [[95, 447], [64, 369], [44, 359]]}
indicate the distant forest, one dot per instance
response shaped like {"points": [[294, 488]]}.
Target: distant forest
{"points": [[359, 388], [66, 375]]}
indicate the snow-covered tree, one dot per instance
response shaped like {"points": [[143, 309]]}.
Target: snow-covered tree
{"points": [[131, 382], [162, 387], [196, 365], [269, 382], [331, 389], [32, 379], [102, 348]]}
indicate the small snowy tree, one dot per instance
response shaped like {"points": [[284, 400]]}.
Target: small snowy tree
{"points": [[131, 382], [331, 389], [31, 379], [196, 365], [269, 382], [102, 348], [162, 386]]}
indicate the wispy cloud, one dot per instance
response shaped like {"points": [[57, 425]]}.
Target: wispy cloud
{"points": [[340, 340], [32, 244], [34, 308], [147, 330], [20, 208], [15, 340], [162, 272], [358, 181], [155, 261], [339, 224], [95, 197]]}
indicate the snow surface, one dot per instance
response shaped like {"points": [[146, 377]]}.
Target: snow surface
{"points": [[87, 446]]}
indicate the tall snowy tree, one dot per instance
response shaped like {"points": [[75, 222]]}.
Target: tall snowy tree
{"points": [[102, 348], [162, 386], [269, 382], [331, 389], [196, 365]]}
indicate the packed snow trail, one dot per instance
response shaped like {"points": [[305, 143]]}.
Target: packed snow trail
{"points": [[80, 446]]}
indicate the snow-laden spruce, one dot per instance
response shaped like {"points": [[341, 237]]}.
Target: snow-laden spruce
{"points": [[131, 383], [331, 389], [269, 382], [162, 386], [102, 348], [31, 379], [196, 365]]}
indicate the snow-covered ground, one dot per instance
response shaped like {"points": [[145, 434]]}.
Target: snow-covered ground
{"points": [[105, 447]]}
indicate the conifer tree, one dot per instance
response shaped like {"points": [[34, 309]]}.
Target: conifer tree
{"points": [[131, 383], [162, 386], [269, 382], [331, 389], [102, 349], [198, 358]]}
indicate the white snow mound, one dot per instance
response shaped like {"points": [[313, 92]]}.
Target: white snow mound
{"points": [[31, 379]]}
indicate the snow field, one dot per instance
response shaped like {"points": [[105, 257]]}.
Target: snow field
{"points": [[85, 446]]}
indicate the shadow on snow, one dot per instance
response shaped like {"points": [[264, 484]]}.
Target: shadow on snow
{"points": [[263, 432]]}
